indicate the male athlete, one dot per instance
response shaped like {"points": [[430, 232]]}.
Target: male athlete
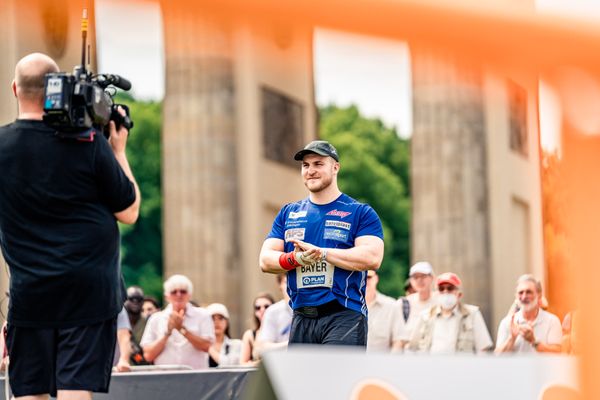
{"points": [[326, 243]]}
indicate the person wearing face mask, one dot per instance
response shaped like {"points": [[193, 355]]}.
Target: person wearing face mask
{"points": [[450, 326], [528, 328]]}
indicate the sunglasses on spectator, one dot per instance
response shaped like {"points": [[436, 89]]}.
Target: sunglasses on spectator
{"points": [[447, 288], [180, 291], [259, 306], [136, 299]]}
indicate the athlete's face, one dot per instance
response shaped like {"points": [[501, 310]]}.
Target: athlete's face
{"points": [[318, 172]]}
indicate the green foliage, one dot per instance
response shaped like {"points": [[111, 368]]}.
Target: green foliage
{"points": [[376, 170], [142, 242]]}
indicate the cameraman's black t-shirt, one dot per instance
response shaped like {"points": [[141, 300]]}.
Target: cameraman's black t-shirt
{"points": [[58, 233]]}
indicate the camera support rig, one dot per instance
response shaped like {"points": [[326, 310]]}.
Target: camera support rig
{"points": [[78, 105]]}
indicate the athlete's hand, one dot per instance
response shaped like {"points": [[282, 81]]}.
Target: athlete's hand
{"points": [[306, 253]]}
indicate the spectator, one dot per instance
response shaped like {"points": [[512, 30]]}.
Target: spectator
{"points": [[421, 280], [133, 305], [450, 326], [224, 351], [249, 355], [149, 307], [3, 350], [527, 328], [570, 330], [386, 325], [181, 333], [123, 348], [275, 329], [408, 290]]}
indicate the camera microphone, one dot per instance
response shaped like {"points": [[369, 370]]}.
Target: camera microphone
{"points": [[119, 81], [105, 80]]}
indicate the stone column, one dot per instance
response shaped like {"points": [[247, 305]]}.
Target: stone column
{"points": [[199, 152], [449, 194]]}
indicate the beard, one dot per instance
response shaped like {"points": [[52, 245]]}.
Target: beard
{"points": [[316, 187], [527, 306]]}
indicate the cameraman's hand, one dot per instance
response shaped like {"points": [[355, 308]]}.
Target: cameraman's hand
{"points": [[118, 138]]}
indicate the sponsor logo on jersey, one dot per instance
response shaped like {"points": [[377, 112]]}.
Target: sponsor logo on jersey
{"points": [[338, 224], [296, 215], [313, 280], [336, 213], [296, 233], [335, 234]]}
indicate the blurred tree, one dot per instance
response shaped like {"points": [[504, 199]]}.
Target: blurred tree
{"points": [[142, 242], [376, 170]]}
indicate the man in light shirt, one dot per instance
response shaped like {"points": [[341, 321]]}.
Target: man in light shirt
{"points": [[386, 324], [276, 324], [421, 280], [528, 328], [181, 334], [450, 326]]}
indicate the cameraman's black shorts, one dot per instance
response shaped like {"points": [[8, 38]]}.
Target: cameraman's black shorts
{"points": [[44, 360]]}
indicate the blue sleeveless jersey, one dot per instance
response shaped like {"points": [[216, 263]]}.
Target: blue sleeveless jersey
{"points": [[335, 225]]}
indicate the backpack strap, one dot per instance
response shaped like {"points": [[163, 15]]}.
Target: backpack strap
{"points": [[405, 308]]}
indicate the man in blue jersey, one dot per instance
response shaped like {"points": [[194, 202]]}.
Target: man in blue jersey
{"points": [[326, 243]]}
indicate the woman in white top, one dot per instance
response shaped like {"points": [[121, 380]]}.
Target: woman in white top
{"points": [[224, 351], [249, 354]]}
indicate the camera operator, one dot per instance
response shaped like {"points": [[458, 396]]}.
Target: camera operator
{"points": [[60, 200]]}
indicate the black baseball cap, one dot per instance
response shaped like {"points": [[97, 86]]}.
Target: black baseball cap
{"points": [[320, 147]]}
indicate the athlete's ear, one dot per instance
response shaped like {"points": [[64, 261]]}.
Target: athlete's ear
{"points": [[336, 166]]}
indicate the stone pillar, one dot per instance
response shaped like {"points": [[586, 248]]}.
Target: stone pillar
{"points": [[199, 153], [449, 186], [238, 103]]}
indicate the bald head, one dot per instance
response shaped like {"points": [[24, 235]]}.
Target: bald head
{"points": [[29, 77]]}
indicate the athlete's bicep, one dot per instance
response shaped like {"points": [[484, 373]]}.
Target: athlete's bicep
{"points": [[373, 246], [273, 244]]}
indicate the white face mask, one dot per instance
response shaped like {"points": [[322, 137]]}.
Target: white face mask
{"points": [[447, 300]]}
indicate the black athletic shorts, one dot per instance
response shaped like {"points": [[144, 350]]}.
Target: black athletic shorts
{"points": [[44, 360], [330, 324]]}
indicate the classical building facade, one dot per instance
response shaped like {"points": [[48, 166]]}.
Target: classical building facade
{"points": [[239, 101], [476, 176]]}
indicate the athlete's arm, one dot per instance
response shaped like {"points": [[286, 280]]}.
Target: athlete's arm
{"points": [[366, 254], [271, 251]]}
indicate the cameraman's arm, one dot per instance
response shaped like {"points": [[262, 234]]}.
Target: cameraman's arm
{"points": [[118, 142]]}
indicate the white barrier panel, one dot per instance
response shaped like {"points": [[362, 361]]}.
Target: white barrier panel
{"points": [[340, 373]]}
